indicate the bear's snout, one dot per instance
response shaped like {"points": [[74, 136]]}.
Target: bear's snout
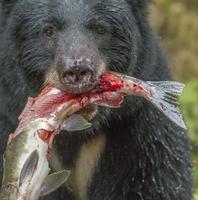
{"points": [[77, 75]]}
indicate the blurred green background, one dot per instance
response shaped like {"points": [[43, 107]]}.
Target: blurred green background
{"points": [[176, 22]]}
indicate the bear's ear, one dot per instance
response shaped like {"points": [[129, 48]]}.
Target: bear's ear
{"points": [[138, 3], [7, 2], [7, 5]]}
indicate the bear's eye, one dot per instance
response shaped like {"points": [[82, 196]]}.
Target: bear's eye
{"points": [[100, 29], [49, 31]]}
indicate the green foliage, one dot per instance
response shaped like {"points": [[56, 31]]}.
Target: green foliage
{"points": [[189, 103], [176, 23]]}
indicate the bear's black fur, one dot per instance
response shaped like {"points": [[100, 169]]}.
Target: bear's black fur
{"points": [[145, 157]]}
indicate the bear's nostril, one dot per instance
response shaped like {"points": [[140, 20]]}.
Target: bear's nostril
{"points": [[86, 76], [83, 73], [69, 77], [78, 75]]}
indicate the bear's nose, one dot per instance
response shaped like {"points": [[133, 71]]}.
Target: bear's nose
{"points": [[77, 75], [81, 74]]}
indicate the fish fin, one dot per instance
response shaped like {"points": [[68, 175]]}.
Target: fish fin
{"points": [[29, 167], [54, 181], [166, 97], [75, 123]]}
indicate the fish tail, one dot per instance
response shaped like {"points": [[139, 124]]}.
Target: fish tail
{"points": [[166, 97]]}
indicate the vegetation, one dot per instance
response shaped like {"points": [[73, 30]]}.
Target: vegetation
{"points": [[189, 103], [176, 23]]}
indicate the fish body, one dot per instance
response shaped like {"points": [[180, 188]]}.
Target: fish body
{"points": [[26, 169]]}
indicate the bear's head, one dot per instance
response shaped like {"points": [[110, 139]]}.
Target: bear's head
{"points": [[69, 43]]}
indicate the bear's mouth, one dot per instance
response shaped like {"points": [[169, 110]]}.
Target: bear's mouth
{"points": [[52, 77], [77, 88], [88, 112]]}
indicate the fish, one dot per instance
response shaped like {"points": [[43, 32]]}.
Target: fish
{"points": [[26, 161]]}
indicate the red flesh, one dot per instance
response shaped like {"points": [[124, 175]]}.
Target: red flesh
{"points": [[111, 83], [43, 105], [44, 135], [137, 88], [106, 93]]}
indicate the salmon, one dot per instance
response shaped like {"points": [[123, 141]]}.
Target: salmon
{"points": [[26, 161]]}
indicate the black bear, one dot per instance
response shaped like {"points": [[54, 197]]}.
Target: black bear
{"points": [[130, 153]]}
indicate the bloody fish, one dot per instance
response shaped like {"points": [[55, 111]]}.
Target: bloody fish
{"points": [[26, 167], [164, 95]]}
